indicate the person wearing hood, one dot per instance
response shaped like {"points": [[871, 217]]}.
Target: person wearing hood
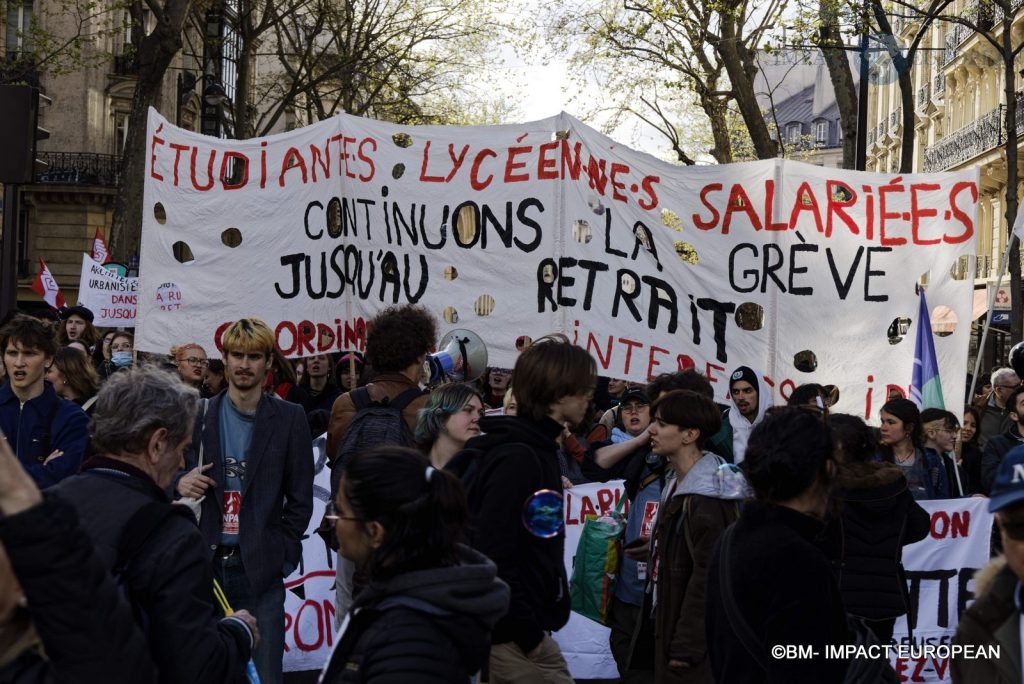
{"points": [[431, 603], [751, 398], [878, 516], [699, 500], [514, 489], [993, 620]]}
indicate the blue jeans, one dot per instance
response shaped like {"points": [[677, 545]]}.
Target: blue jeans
{"points": [[267, 608]]}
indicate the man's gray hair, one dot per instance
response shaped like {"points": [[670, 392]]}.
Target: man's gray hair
{"points": [[1001, 374], [133, 404]]}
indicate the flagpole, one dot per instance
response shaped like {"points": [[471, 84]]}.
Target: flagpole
{"points": [[1004, 262]]}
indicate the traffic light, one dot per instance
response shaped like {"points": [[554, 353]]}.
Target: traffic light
{"points": [[19, 131]]}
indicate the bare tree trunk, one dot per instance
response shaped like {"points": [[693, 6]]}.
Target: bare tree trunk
{"points": [[841, 76], [155, 52], [741, 78]]}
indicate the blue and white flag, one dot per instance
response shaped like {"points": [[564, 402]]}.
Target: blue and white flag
{"points": [[926, 386]]}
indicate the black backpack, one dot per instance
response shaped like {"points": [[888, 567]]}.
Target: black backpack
{"points": [[375, 423]]}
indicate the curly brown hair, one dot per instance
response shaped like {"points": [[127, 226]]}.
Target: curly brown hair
{"points": [[399, 336]]}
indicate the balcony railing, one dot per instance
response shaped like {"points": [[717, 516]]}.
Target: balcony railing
{"points": [[79, 168], [977, 137], [895, 118], [940, 84], [871, 137], [127, 63], [985, 266], [881, 128], [923, 95]]}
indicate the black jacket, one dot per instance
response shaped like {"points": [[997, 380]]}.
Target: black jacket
{"points": [[783, 584], [170, 579], [514, 459], [877, 518], [86, 628], [992, 455], [430, 626]]}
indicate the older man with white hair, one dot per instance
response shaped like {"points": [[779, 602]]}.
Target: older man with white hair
{"points": [[995, 419]]}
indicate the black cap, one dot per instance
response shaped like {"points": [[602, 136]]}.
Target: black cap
{"points": [[79, 311], [635, 394]]}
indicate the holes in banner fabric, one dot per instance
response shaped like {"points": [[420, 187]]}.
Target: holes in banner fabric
{"points": [[898, 329], [484, 305], [232, 237], [182, 252], [450, 314], [961, 267], [159, 213], [450, 273], [750, 316], [581, 232], [522, 342], [397, 171], [686, 252], [944, 321], [805, 361], [671, 220], [402, 139]]}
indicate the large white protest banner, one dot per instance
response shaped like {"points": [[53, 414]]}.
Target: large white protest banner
{"points": [[110, 297], [519, 230]]}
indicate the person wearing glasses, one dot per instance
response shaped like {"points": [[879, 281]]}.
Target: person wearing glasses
{"points": [[190, 360], [427, 613], [994, 418]]}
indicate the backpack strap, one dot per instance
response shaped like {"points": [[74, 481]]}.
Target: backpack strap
{"points": [[405, 398], [360, 398]]}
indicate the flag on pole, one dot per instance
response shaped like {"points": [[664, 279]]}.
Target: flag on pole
{"points": [[46, 287], [926, 387], [100, 253]]}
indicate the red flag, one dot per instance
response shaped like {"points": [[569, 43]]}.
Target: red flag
{"points": [[46, 287], [100, 253]]}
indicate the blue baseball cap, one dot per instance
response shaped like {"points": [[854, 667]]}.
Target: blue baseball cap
{"points": [[1008, 487]]}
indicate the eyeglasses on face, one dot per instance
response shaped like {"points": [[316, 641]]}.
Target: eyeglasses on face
{"points": [[196, 361], [333, 515]]}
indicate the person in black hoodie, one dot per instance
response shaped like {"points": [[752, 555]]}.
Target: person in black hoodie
{"points": [[429, 607], [878, 516], [514, 489]]}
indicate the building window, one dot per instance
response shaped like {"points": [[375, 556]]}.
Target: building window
{"points": [[793, 133], [821, 132], [19, 29]]}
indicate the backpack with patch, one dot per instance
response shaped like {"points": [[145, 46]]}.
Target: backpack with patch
{"points": [[376, 423]]}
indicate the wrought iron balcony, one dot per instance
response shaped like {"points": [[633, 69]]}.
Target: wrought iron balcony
{"points": [[940, 84], [79, 168], [871, 137], [881, 128], [923, 95], [895, 118], [977, 137], [985, 266]]}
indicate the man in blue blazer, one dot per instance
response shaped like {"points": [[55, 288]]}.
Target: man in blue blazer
{"points": [[257, 480]]}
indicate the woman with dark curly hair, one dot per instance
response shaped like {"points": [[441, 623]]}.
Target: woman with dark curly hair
{"points": [[427, 613]]}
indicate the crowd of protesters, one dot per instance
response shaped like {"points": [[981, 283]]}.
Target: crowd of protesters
{"points": [[450, 564]]}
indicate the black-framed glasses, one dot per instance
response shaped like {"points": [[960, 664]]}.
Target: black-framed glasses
{"points": [[333, 515], [196, 361]]}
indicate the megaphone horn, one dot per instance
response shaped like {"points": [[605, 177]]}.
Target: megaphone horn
{"points": [[462, 357]]}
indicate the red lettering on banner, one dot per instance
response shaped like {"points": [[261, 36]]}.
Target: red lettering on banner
{"points": [[945, 525]]}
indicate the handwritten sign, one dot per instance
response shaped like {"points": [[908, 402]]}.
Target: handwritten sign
{"points": [[111, 297], [521, 230]]}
